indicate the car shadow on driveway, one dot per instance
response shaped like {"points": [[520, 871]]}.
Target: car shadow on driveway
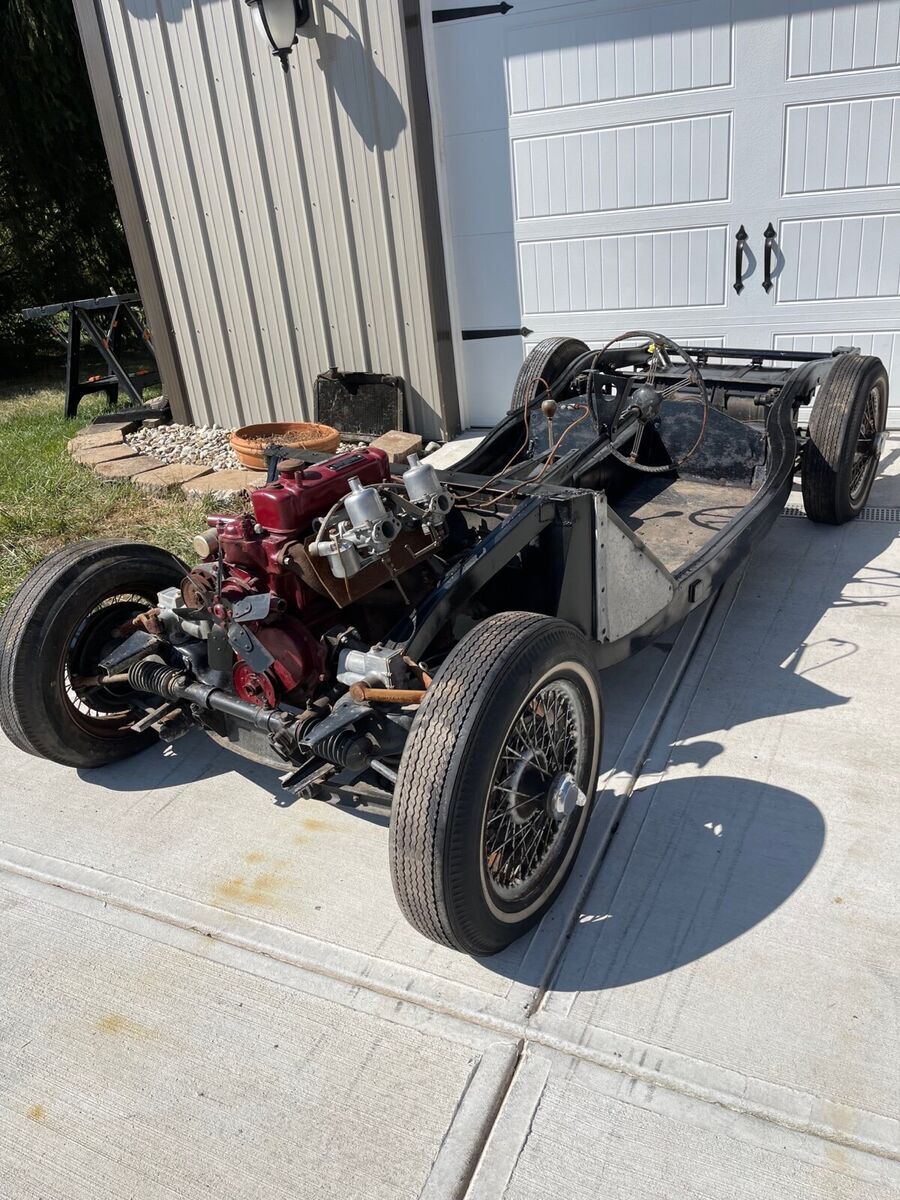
{"points": [[195, 757], [177, 765], [709, 858], [701, 859]]}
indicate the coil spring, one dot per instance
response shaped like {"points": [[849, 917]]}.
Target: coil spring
{"points": [[154, 676]]}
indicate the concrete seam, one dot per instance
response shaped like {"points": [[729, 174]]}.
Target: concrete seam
{"points": [[671, 718], [509, 1134], [716, 1096], [470, 1126]]}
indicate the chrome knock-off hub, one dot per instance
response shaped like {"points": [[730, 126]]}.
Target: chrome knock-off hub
{"points": [[564, 797]]}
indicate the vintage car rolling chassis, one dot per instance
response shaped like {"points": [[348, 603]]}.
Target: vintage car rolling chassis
{"points": [[431, 640]]}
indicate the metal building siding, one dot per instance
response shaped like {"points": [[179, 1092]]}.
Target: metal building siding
{"points": [[284, 211]]}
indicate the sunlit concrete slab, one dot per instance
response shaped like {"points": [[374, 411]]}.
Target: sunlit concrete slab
{"points": [[134, 1065], [206, 987], [571, 1128]]}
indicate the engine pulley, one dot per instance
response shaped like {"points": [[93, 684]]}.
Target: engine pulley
{"points": [[297, 664], [256, 687]]}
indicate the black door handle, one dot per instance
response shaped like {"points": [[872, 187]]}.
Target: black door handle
{"points": [[770, 235], [740, 238]]}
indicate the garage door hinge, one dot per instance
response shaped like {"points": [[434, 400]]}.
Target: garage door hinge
{"points": [[477, 10], [472, 335]]}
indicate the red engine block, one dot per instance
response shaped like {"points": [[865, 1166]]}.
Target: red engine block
{"points": [[284, 511], [251, 547]]}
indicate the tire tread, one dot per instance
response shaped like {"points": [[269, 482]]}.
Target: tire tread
{"points": [[534, 368], [827, 448]]}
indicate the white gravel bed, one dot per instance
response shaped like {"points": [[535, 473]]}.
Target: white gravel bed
{"points": [[200, 445], [204, 446]]}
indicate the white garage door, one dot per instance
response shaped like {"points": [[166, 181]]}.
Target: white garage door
{"points": [[598, 164]]}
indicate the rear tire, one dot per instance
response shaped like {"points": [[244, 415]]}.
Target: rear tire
{"points": [[545, 364], [511, 724], [58, 624], [840, 459]]}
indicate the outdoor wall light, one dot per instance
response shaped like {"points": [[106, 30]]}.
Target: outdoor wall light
{"points": [[278, 22]]}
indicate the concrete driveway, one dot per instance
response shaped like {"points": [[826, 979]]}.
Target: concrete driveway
{"points": [[205, 992]]}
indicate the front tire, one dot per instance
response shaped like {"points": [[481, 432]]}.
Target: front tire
{"points": [[840, 460], [496, 782], [67, 614]]}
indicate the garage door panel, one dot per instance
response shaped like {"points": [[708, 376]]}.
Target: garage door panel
{"points": [[839, 258], [852, 37], [611, 56], [598, 341], [627, 166], [842, 145], [883, 343], [632, 144], [668, 269]]}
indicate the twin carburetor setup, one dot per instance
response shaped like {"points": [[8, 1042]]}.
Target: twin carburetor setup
{"points": [[360, 529]]}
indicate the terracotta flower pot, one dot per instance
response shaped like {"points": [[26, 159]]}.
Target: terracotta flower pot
{"points": [[250, 442]]}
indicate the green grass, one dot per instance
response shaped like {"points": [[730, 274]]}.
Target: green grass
{"points": [[48, 501]]}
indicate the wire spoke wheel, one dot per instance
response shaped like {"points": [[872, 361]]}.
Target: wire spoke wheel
{"points": [[866, 453], [69, 614], [100, 708], [496, 782], [535, 791], [845, 439]]}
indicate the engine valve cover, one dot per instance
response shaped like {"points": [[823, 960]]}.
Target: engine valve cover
{"points": [[291, 504]]}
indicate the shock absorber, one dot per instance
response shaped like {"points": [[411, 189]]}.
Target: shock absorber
{"points": [[342, 746]]}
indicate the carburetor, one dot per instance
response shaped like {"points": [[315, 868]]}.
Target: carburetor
{"points": [[426, 491], [364, 533], [360, 529]]}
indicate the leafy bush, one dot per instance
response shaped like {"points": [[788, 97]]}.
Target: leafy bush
{"points": [[60, 233]]}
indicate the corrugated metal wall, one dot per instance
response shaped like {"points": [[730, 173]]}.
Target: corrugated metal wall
{"points": [[284, 210]]}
